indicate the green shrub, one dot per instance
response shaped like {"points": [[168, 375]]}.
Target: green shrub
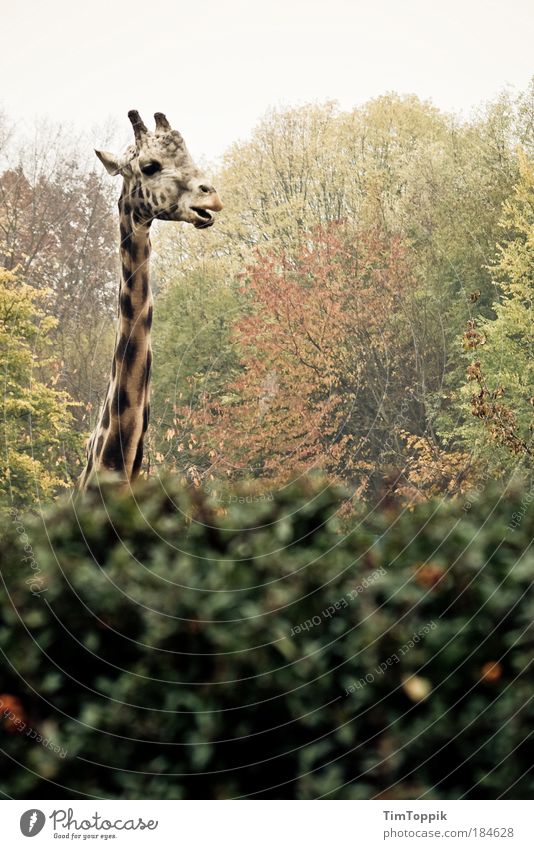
{"points": [[165, 648]]}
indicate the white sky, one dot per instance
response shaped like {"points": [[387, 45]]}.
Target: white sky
{"points": [[215, 66]]}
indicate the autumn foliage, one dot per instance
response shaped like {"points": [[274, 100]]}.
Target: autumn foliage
{"points": [[362, 307], [323, 346]]}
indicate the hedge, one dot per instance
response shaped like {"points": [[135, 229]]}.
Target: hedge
{"points": [[164, 644]]}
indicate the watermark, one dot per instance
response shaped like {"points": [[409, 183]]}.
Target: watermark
{"points": [[416, 688], [438, 816], [518, 515], [67, 826], [227, 498], [65, 819], [475, 491], [35, 581], [400, 419], [32, 822], [12, 715], [341, 603]]}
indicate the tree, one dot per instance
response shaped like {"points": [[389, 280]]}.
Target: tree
{"points": [[194, 356], [57, 228], [497, 398], [395, 165], [39, 446], [396, 162], [327, 370]]}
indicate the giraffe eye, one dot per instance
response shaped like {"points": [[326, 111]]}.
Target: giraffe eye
{"points": [[151, 167]]}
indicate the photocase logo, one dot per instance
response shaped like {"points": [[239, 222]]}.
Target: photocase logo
{"points": [[32, 822]]}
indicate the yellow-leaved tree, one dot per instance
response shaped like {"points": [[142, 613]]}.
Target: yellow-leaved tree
{"points": [[500, 375], [38, 445]]}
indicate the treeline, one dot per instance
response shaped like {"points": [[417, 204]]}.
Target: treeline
{"points": [[363, 305], [57, 304]]}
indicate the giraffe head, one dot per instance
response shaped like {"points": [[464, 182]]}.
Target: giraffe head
{"points": [[160, 178]]}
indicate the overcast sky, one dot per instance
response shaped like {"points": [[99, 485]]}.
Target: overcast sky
{"points": [[215, 66]]}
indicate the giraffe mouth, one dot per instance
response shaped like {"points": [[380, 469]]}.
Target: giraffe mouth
{"points": [[204, 218]]}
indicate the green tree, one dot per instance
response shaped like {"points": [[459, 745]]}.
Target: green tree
{"points": [[497, 399], [39, 447], [58, 227], [194, 357]]}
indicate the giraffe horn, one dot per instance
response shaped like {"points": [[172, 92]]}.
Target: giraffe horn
{"points": [[138, 125], [162, 125]]}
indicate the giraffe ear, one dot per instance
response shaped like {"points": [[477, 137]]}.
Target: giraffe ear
{"points": [[110, 162]]}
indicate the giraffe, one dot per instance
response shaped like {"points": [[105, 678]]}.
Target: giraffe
{"points": [[160, 181]]}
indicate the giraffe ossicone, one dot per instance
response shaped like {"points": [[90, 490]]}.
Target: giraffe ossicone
{"points": [[160, 182]]}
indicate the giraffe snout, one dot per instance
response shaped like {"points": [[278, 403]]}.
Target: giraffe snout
{"points": [[202, 212], [214, 203]]}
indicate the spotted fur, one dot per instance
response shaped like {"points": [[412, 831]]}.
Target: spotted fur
{"points": [[160, 181]]}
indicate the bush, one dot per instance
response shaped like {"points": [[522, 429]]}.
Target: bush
{"points": [[163, 647]]}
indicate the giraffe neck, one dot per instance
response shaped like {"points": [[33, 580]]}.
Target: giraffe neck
{"points": [[117, 441]]}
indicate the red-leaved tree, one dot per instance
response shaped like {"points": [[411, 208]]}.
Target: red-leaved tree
{"points": [[329, 372]]}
